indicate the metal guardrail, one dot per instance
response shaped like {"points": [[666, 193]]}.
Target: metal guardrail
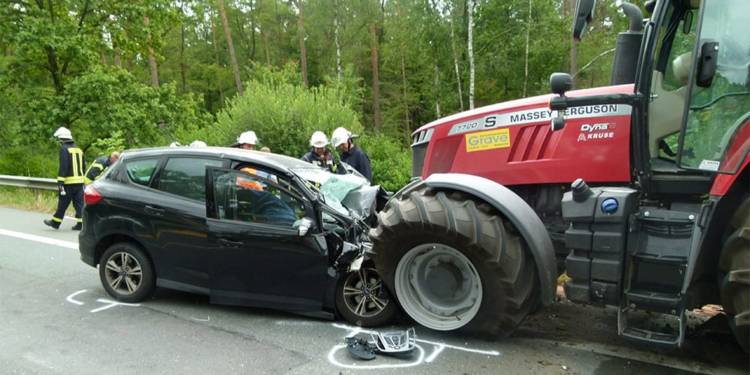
{"points": [[28, 182]]}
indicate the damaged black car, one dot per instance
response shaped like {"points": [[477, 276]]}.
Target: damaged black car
{"points": [[242, 227]]}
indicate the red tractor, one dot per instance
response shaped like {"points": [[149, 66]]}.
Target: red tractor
{"points": [[638, 190]]}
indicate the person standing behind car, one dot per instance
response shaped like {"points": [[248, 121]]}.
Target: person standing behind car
{"points": [[350, 153], [319, 154], [99, 165], [70, 179], [247, 140]]}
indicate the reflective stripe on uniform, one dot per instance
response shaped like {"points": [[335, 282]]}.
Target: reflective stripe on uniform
{"points": [[57, 220], [73, 180], [78, 220]]}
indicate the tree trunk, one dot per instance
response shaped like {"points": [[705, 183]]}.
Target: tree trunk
{"points": [[405, 99], [470, 42], [339, 70], [437, 91], [151, 56], [573, 47], [455, 65], [117, 60], [216, 55], [302, 49], [526, 56], [183, 65], [230, 46], [377, 120]]}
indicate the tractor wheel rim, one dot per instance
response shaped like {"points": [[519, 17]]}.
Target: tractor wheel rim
{"points": [[123, 273], [438, 286], [364, 294]]}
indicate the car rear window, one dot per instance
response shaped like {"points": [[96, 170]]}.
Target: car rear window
{"points": [[186, 177], [140, 171]]}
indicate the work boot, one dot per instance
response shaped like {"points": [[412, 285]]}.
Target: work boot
{"points": [[78, 226], [51, 223]]}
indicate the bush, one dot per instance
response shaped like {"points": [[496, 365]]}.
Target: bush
{"points": [[284, 115]]}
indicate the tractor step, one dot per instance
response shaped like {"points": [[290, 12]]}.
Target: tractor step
{"points": [[665, 303], [669, 335]]}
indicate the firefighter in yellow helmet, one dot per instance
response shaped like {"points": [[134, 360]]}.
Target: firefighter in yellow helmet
{"points": [[70, 180]]}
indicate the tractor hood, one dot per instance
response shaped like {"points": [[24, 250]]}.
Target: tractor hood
{"points": [[518, 111]]}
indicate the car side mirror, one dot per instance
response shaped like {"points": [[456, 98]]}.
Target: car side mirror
{"points": [[303, 226], [707, 64]]}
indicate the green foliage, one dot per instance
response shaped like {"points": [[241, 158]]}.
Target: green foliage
{"points": [[391, 161], [282, 112]]}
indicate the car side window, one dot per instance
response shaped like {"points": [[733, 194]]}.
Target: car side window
{"points": [[186, 177], [255, 196], [140, 171]]}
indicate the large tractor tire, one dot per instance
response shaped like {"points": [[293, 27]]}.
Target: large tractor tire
{"points": [[454, 263], [734, 275]]}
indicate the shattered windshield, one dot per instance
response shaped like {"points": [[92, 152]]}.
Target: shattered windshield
{"points": [[347, 194]]}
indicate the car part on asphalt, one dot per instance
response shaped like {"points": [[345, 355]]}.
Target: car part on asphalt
{"points": [[398, 343], [360, 348]]}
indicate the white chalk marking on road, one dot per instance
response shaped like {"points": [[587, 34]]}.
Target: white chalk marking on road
{"points": [[71, 300], [332, 359], [208, 319], [477, 351], [111, 304], [438, 349], [40, 239]]}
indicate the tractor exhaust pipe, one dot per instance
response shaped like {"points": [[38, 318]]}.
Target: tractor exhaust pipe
{"points": [[628, 46]]}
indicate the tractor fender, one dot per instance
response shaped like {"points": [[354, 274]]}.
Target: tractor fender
{"points": [[515, 209]]}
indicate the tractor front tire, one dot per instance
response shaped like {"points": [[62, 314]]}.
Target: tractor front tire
{"points": [[453, 262], [734, 275]]}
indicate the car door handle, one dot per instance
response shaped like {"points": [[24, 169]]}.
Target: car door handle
{"points": [[154, 210], [229, 243]]}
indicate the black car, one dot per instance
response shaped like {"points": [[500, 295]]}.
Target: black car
{"points": [[243, 227]]}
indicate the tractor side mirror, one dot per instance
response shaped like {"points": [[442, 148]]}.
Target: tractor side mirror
{"points": [[583, 15], [560, 83], [707, 64]]}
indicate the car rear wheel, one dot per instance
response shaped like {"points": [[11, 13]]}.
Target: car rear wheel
{"points": [[363, 300], [126, 273]]}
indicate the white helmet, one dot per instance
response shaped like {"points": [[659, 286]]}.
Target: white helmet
{"points": [[197, 143], [340, 136], [319, 139], [63, 133], [247, 137]]}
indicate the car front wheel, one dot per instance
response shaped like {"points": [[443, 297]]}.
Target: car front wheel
{"points": [[126, 273], [363, 300]]}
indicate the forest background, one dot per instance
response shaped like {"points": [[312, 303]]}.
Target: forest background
{"points": [[139, 73]]}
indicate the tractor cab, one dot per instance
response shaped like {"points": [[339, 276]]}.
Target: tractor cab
{"points": [[690, 66], [655, 247]]}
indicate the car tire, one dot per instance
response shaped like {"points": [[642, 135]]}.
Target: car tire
{"points": [[363, 300], [126, 273], [455, 263]]}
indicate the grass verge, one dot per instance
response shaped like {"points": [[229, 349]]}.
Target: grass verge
{"points": [[29, 199]]}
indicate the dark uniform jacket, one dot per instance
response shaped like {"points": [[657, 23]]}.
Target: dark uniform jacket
{"points": [[324, 162], [359, 161], [97, 167], [70, 170]]}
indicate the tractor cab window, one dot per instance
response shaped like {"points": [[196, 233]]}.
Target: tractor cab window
{"points": [[669, 83], [719, 107]]}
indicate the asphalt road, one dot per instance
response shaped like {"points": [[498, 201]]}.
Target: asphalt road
{"points": [[56, 318]]}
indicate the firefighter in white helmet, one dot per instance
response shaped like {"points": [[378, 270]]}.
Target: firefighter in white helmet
{"points": [[247, 140], [319, 153], [70, 178], [341, 139]]}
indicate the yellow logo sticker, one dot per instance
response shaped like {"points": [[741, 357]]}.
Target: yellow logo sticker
{"points": [[488, 140]]}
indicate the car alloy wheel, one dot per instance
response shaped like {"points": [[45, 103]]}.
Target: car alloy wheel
{"points": [[363, 293], [123, 273]]}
